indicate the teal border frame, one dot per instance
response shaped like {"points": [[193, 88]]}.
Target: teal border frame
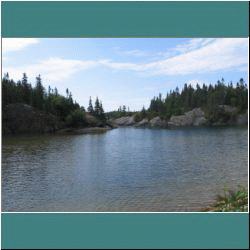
{"points": [[125, 19], [146, 231], [125, 230]]}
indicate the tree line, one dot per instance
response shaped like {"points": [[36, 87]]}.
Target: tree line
{"points": [[64, 108], [210, 98]]}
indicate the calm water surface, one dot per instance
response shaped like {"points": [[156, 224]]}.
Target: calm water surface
{"points": [[124, 169]]}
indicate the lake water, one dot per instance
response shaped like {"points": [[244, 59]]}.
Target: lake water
{"points": [[125, 169]]}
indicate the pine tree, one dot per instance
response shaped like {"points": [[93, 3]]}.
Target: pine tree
{"points": [[124, 109], [38, 93], [67, 92], [90, 107], [97, 107], [56, 92], [26, 90], [102, 115]]}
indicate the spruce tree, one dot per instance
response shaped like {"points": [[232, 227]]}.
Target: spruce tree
{"points": [[39, 93], [90, 107], [97, 107], [26, 90], [102, 115]]}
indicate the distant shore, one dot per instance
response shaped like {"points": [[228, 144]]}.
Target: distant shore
{"points": [[23, 119], [91, 130]]}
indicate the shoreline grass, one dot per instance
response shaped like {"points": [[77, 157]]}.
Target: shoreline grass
{"points": [[234, 200]]}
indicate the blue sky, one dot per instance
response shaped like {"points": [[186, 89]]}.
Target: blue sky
{"points": [[124, 71]]}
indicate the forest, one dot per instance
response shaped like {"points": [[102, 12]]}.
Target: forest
{"points": [[69, 113], [210, 99]]}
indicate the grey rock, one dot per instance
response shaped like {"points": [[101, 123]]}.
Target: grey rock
{"points": [[158, 123], [194, 117], [200, 121], [228, 108], [242, 119], [124, 121], [143, 123]]}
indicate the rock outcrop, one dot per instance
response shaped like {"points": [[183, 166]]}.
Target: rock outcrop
{"points": [[242, 119], [126, 121], [142, 124], [24, 119], [158, 123], [227, 108], [192, 118]]}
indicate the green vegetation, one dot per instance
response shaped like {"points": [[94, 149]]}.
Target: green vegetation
{"points": [[232, 201], [210, 98], [121, 112], [76, 119], [66, 111], [215, 100]]}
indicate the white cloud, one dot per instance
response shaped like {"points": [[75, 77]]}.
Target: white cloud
{"points": [[222, 54], [210, 55], [123, 66], [199, 56], [54, 69], [133, 52], [193, 44], [15, 44]]}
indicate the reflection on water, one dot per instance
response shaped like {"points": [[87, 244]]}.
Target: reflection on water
{"points": [[122, 170]]}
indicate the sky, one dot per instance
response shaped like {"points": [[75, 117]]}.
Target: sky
{"points": [[124, 71]]}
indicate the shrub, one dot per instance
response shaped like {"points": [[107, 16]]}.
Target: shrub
{"points": [[76, 118], [232, 201]]}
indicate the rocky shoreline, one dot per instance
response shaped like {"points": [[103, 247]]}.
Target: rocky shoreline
{"points": [[193, 118], [23, 119]]}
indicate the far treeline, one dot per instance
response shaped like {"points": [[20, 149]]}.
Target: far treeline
{"points": [[210, 99], [68, 112]]}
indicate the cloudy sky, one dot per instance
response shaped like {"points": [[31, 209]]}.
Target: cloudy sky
{"points": [[124, 71]]}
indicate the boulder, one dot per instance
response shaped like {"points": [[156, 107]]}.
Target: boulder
{"points": [[194, 117], [200, 121], [158, 123], [242, 119], [124, 121], [143, 123], [229, 109]]}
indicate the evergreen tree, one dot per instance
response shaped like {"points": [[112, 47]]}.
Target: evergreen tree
{"points": [[97, 107], [90, 107], [102, 115], [124, 109], [26, 90], [56, 92]]}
